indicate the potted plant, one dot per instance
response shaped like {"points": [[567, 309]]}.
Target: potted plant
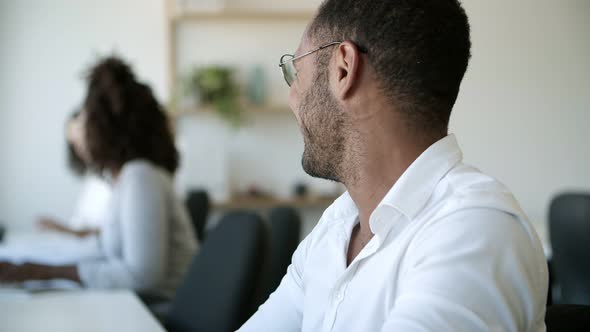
{"points": [[214, 86]]}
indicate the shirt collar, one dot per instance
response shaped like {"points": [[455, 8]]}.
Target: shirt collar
{"points": [[413, 189], [409, 195]]}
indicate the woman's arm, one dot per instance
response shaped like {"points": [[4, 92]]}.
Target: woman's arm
{"points": [[17, 273], [49, 224]]}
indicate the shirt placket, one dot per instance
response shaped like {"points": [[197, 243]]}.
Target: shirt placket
{"points": [[338, 293]]}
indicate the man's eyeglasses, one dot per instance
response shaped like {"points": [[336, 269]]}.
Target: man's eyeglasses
{"points": [[287, 62]]}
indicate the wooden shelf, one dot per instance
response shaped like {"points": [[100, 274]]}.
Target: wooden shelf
{"points": [[245, 15], [248, 202], [248, 109], [176, 17]]}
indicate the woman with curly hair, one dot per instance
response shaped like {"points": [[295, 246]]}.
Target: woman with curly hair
{"points": [[147, 238]]}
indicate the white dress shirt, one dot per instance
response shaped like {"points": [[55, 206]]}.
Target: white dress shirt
{"points": [[147, 239], [452, 251]]}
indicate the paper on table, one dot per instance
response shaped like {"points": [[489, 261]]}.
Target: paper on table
{"points": [[47, 248]]}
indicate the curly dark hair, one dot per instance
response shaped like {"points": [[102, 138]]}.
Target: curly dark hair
{"points": [[419, 50], [124, 121], [76, 164]]}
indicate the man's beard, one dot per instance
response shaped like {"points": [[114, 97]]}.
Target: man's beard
{"points": [[323, 127]]}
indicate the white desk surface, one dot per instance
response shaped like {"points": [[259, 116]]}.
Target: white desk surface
{"points": [[89, 311]]}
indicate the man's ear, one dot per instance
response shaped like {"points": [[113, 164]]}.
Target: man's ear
{"points": [[347, 59]]}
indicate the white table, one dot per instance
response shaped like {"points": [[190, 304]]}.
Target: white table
{"points": [[89, 311]]}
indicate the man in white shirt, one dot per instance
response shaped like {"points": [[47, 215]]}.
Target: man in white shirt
{"points": [[420, 241]]}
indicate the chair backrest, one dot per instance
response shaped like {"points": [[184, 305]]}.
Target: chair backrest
{"points": [[197, 204], [285, 232], [569, 231], [568, 317], [221, 280]]}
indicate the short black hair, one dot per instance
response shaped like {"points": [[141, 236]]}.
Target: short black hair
{"points": [[419, 50]]}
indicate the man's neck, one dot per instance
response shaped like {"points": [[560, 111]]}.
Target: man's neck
{"points": [[377, 171]]}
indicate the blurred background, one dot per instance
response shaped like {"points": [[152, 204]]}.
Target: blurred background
{"points": [[522, 114], [524, 100]]}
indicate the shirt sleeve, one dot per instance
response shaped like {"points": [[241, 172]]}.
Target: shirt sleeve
{"points": [[459, 280], [283, 311], [144, 236]]}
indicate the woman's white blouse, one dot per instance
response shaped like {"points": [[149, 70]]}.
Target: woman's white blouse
{"points": [[147, 238]]}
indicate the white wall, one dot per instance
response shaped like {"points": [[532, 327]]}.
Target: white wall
{"points": [[521, 116], [45, 46], [524, 109]]}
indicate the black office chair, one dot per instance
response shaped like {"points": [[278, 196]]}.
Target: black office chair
{"points": [[569, 231], [220, 282], [285, 228], [568, 318], [552, 283], [197, 203], [285, 231]]}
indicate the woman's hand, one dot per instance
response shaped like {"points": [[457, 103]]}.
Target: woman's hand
{"points": [[49, 224], [29, 271], [17, 273]]}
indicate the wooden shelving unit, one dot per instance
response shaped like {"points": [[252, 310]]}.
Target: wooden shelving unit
{"points": [[248, 202], [248, 109], [175, 17], [246, 15]]}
